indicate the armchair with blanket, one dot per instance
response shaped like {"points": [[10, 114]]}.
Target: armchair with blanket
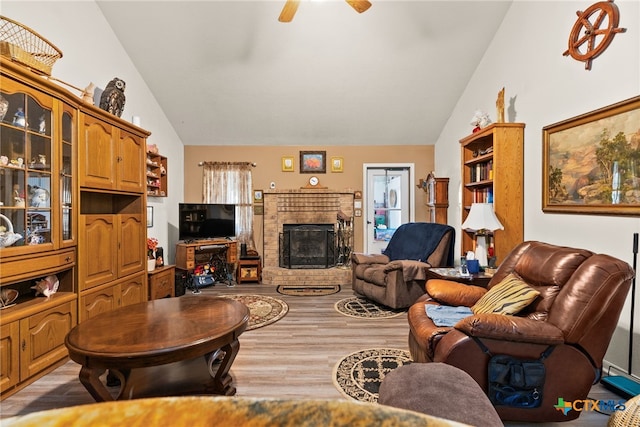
{"points": [[396, 277], [572, 301]]}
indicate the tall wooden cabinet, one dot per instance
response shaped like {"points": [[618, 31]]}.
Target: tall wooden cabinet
{"points": [[112, 219], [493, 172], [437, 193], [38, 202]]}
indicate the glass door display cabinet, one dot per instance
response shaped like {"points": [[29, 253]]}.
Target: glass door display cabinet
{"points": [[36, 171], [38, 301]]}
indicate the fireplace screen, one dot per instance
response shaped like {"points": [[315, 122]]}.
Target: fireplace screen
{"points": [[307, 246]]}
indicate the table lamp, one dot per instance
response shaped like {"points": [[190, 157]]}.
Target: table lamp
{"points": [[482, 220]]}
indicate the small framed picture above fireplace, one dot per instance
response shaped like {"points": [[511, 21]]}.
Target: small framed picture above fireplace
{"points": [[313, 162]]}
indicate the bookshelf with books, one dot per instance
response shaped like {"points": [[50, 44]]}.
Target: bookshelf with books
{"points": [[493, 172]]}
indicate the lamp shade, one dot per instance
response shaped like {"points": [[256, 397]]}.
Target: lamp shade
{"points": [[482, 217]]}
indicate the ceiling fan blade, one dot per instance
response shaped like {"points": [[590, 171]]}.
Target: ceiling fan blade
{"points": [[359, 5], [289, 10]]}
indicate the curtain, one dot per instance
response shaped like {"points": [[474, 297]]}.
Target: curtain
{"points": [[230, 183]]}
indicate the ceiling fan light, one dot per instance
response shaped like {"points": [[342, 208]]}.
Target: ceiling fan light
{"points": [[359, 5], [289, 10]]}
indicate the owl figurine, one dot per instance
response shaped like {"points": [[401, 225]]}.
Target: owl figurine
{"points": [[112, 99]]}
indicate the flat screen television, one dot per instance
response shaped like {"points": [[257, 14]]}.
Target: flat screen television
{"points": [[199, 221]]}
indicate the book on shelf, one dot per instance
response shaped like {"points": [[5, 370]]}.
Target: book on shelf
{"points": [[483, 195], [481, 171]]}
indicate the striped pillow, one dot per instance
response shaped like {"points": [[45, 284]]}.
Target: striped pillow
{"points": [[507, 297]]}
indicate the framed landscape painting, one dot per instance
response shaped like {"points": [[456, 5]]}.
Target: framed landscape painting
{"points": [[313, 162], [591, 163]]}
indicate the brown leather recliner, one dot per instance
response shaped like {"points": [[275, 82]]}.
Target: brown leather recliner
{"points": [[396, 278], [581, 297]]}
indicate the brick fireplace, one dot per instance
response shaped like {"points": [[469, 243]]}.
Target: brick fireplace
{"points": [[313, 206]]}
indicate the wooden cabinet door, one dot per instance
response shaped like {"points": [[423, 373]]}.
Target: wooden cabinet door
{"points": [[10, 355], [130, 163], [99, 237], [133, 290], [101, 301], [42, 338], [162, 284], [98, 151], [132, 256]]}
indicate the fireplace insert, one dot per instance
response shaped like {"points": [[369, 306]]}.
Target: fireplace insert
{"points": [[307, 246]]}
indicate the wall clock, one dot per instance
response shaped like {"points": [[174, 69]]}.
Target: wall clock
{"points": [[593, 32]]}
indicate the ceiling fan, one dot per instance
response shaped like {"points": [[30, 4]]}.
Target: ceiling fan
{"points": [[290, 7]]}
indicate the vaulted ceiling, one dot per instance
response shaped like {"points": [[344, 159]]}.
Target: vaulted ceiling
{"points": [[229, 73]]}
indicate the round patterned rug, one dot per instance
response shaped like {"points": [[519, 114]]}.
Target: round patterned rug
{"points": [[362, 307], [263, 310], [358, 376]]}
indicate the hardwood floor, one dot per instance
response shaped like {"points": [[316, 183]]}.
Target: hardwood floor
{"points": [[292, 358]]}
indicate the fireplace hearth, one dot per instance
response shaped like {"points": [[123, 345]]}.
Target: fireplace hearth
{"points": [[307, 246]]}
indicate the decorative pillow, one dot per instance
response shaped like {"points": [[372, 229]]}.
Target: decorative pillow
{"points": [[447, 292], [507, 297]]}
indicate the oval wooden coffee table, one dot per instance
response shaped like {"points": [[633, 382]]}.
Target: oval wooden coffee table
{"points": [[151, 345]]}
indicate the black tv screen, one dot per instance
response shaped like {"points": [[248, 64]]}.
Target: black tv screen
{"points": [[206, 221]]}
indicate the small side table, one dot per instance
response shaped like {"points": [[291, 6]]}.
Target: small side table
{"points": [[249, 270], [162, 282], [453, 274]]}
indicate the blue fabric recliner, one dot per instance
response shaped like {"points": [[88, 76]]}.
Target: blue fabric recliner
{"points": [[396, 278]]}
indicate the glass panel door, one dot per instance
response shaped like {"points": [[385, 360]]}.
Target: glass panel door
{"points": [[66, 177], [25, 171], [388, 205]]}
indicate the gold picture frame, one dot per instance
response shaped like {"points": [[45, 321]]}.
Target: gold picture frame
{"points": [[287, 164], [337, 164], [590, 164], [258, 197]]}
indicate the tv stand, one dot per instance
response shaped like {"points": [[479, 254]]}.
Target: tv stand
{"points": [[189, 255]]}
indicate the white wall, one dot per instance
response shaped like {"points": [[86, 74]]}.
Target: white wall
{"points": [[92, 53], [526, 58]]}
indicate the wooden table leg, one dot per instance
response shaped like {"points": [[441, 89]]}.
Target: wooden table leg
{"points": [[90, 379], [221, 383]]}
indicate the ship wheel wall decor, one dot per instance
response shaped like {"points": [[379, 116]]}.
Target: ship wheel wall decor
{"points": [[593, 32]]}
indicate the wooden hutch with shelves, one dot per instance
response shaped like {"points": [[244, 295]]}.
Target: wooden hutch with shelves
{"points": [[72, 185], [493, 172], [156, 175], [38, 143]]}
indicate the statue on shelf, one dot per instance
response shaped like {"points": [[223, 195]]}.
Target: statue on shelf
{"points": [[112, 99], [87, 94], [480, 120], [500, 106]]}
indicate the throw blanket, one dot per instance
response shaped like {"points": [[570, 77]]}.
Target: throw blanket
{"points": [[418, 240], [411, 270], [444, 315]]}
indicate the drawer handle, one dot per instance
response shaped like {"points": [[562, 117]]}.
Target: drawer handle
{"points": [[67, 259]]}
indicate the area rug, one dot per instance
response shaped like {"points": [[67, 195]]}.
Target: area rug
{"points": [[358, 376], [362, 307], [308, 291], [263, 310]]}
